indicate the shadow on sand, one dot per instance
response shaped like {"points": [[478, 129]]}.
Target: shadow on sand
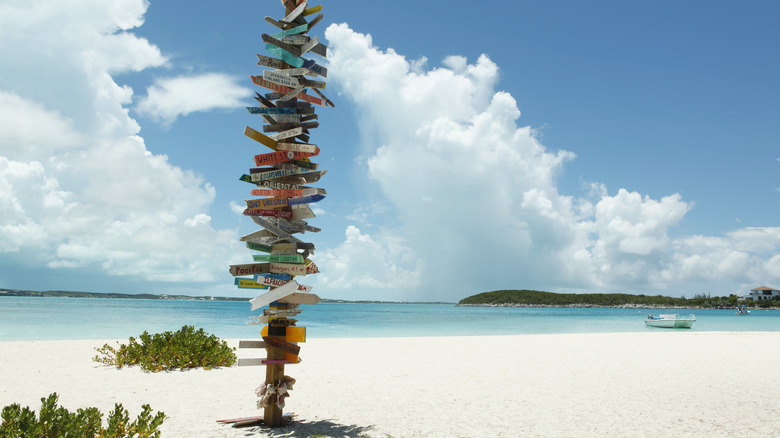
{"points": [[307, 428]]}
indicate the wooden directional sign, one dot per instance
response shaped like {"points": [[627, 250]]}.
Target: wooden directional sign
{"points": [[279, 173], [295, 12], [274, 111], [320, 49], [286, 56], [285, 346], [280, 24], [315, 68], [284, 248], [286, 126], [284, 90], [279, 258], [277, 185], [267, 203], [246, 178], [258, 247], [250, 269], [311, 10], [276, 44], [311, 177], [267, 61], [309, 45], [287, 134], [287, 313], [287, 214], [274, 229], [275, 157], [302, 211], [249, 284], [301, 298], [256, 235], [273, 282], [295, 30], [260, 137], [288, 268], [291, 95], [316, 20], [298, 147], [328, 102], [272, 192], [274, 295], [311, 268], [312, 84], [291, 118], [305, 199]]}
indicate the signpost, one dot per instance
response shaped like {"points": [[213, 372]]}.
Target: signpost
{"points": [[289, 116]]}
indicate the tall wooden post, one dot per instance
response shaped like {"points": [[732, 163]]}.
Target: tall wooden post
{"points": [[274, 372], [289, 116]]}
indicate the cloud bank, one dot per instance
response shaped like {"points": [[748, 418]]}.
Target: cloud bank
{"points": [[476, 198], [78, 187]]}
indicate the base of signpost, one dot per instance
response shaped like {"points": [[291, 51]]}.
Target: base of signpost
{"points": [[250, 421]]}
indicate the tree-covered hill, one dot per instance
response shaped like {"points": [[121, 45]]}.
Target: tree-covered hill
{"points": [[539, 298]]}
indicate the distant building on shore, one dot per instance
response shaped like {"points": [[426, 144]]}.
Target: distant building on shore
{"points": [[761, 293]]}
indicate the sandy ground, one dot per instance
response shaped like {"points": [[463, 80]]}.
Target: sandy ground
{"points": [[665, 383]]}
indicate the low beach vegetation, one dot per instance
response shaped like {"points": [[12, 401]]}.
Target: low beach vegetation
{"points": [[533, 298], [182, 349], [56, 421]]}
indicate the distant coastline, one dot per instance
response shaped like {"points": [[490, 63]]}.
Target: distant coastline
{"points": [[77, 294], [533, 298]]}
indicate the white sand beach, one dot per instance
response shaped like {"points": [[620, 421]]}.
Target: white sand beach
{"points": [[665, 383]]}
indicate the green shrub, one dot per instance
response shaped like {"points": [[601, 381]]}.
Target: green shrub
{"points": [[185, 348], [56, 421]]}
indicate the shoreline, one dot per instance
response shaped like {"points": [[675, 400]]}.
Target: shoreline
{"points": [[614, 384]]}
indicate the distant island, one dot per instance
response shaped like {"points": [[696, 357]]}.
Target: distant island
{"points": [[533, 298], [72, 294]]}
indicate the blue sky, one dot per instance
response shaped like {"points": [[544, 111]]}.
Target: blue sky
{"points": [[560, 146]]}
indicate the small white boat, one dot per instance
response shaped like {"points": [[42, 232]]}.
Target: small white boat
{"points": [[670, 321], [742, 310]]}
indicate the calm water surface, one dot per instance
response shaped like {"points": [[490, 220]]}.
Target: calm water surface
{"points": [[32, 318]]}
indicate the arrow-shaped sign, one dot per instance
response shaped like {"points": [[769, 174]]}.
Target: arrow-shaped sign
{"points": [[284, 90], [258, 247], [305, 199], [287, 134], [264, 110], [286, 214], [295, 30], [299, 147], [260, 137], [281, 79], [249, 269], [274, 282], [279, 258], [267, 203], [274, 295], [243, 283], [288, 268], [301, 298]]}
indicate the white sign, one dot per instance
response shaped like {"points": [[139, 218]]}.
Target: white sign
{"points": [[274, 295]]}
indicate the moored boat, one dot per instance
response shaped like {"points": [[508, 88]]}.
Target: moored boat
{"points": [[670, 321], [742, 310]]}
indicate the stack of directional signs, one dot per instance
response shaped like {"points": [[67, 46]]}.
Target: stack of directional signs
{"points": [[282, 177]]}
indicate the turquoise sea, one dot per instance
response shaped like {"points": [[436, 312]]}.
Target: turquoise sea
{"points": [[32, 318]]}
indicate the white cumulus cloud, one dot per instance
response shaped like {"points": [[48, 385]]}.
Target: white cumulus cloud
{"points": [[170, 98], [78, 187], [476, 198]]}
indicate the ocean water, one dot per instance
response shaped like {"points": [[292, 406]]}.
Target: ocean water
{"points": [[33, 318]]}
